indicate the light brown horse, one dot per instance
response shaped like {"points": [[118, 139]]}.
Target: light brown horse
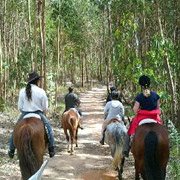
{"points": [[30, 139], [70, 122], [150, 149]]}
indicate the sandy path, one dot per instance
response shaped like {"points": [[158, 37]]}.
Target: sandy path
{"points": [[91, 160]]}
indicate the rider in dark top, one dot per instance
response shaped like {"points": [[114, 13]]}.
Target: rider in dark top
{"points": [[72, 101], [146, 102]]}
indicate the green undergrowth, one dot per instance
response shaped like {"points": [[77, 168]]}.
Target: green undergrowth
{"points": [[174, 160]]}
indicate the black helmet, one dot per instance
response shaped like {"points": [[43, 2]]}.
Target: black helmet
{"points": [[112, 88], [114, 95], [144, 81], [70, 88]]}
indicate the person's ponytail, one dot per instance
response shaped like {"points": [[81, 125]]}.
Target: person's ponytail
{"points": [[28, 91]]}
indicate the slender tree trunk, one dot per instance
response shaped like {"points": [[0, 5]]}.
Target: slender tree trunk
{"points": [[82, 67], [1, 72], [44, 43], [36, 13], [30, 37], [168, 68]]}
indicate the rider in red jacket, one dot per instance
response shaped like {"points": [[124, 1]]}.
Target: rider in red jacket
{"points": [[146, 107]]}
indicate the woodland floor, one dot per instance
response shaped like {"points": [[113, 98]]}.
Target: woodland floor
{"points": [[91, 160]]}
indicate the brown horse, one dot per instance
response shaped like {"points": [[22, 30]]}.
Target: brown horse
{"points": [[70, 121], [30, 139], [150, 149]]}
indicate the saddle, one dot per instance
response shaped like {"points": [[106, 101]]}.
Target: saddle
{"points": [[113, 121]]}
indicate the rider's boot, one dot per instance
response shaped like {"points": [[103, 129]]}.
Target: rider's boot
{"points": [[11, 153], [80, 124], [51, 151], [102, 140]]}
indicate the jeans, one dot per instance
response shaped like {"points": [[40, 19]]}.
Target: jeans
{"points": [[47, 125]]}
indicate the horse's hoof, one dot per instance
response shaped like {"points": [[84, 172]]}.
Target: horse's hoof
{"points": [[68, 151], [76, 145]]}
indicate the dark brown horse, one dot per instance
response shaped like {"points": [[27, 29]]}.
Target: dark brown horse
{"points": [[150, 149], [30, 140], [70, 122]]}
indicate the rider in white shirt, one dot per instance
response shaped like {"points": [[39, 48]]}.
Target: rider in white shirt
{"points": [[33, 99], [113, 110]]}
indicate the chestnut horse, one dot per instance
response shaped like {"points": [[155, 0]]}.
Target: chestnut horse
{"points": [[150, 149], [70, 122], [30, 139]]}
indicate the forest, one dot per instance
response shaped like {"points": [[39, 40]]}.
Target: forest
{"points": [[87, 41]]}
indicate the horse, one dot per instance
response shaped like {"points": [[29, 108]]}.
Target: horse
{"points": [[114, 137], [70, 122], [30, 139], [150, 148]]}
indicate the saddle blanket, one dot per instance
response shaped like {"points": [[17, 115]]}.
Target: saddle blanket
{"points": [[145, 121], [29, 115]]}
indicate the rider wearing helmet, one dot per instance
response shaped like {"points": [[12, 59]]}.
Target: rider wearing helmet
{"points": [[113, 110], [146, 107], [109, 97]]}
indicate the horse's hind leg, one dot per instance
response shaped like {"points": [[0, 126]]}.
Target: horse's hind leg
{"points": [[76, 137], [67, 138], [122, 165], [136, 171], [72, 141]]}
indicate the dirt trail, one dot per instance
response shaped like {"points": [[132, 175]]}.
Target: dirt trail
{"points": [[91, 160]]}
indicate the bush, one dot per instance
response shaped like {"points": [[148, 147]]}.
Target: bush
{"points": [[174, 161]]}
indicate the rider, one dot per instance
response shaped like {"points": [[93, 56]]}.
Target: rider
{"points": [[72, 101], [109, 97], [146, 107], [33, 99], [113, 110]]}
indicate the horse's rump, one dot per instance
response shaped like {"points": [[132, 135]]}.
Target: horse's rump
{"points": [[150, 149], [70, 119], [70, 122], [114, 137], [30, 140]]}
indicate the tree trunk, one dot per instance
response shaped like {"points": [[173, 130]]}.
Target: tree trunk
{"points": [[30, 37], [168, 68], [1, 72]]}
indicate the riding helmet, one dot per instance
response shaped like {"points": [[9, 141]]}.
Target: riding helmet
{"points": [[144, 81], [114, 95], [112, 88]]}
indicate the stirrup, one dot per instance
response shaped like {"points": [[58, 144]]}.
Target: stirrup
{"points": [[102, 141], [51, 152], [11, 153]]}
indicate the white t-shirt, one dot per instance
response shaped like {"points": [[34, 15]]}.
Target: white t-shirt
{"points": [[114, 109], [39, 100]]}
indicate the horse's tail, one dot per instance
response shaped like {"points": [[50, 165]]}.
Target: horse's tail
{"points": [[74, 125], [152, 168], [72, 122], [118, 151], [27, 159]]}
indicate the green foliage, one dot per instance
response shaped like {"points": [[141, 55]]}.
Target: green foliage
{"points": [[174, 163]]}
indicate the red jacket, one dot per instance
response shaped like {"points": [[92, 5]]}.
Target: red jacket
{"points": [[144, 114]]}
